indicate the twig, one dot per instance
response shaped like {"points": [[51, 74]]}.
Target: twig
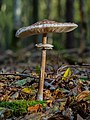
{"points": [[23, 75]]}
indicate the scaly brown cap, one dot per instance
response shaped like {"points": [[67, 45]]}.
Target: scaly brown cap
{"points": [[45, 26]]}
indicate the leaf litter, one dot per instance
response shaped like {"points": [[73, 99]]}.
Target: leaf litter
{"points": [[66, 91]]}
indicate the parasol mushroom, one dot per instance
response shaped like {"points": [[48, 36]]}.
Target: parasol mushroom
{"points": [[44, 27]]}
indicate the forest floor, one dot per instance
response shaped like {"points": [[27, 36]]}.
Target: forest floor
{"points": [[66, 87]]}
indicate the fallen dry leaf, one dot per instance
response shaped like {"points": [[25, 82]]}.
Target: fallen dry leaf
{"points": [[83, 95], [35, 108], [49, 103], [47, 94], [58, 94], [62, 106]]}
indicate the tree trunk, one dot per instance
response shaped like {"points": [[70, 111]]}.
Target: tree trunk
{"points": [[0, 10], [48, 8], [35, 11], [70, 41], [35, 17], [83, 26], [60, 18], [59, 10], [17, 22], [0, 4]]}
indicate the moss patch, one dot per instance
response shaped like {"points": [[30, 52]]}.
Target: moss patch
{"points": [[19, 107]]}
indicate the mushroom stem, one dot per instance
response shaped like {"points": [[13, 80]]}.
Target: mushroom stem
{"points": [[41, 82]]}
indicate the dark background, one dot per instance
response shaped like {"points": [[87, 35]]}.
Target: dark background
{"points": [[19, 13]]}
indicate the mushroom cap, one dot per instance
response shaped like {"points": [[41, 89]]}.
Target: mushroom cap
{"points": [[45, 26]]}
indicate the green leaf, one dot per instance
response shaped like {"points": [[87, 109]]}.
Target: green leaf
{"points": [[38, 69], [21, 82]]}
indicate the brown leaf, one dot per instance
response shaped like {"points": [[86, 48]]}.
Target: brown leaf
{"points": [[58, 94], [18, 77], [35, 108], [62, 106], [83, 95], [49, 103], [5, 97], [47, 94]]}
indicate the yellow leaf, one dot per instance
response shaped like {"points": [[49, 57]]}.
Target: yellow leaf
{"points": [[66, 74], [27, 90]]}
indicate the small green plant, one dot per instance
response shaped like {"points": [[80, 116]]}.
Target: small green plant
{"points": [[38, 69], [88, 98], [19, 107]]}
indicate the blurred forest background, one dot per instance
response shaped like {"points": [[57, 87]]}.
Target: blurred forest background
{"points": [[19, 13]]}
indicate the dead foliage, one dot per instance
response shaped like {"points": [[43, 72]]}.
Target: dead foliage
{"points": [[66, 87]]}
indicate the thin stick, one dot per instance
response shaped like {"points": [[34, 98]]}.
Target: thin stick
{"points": [[22, 75]]}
